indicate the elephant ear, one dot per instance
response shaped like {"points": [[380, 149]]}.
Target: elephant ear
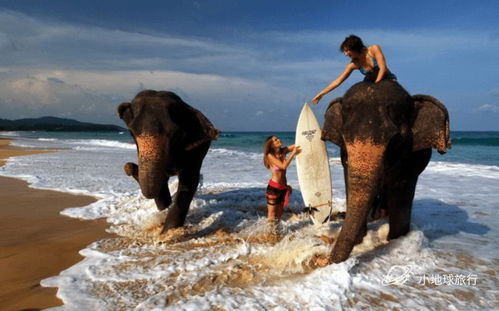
{"points": [[200, 129], [125, 112], [430, 126], [333, 123]]}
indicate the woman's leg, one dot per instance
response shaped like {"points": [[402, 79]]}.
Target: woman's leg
{"points": [[271, 212], [280, 206], [273, 202], [279, 209], [274, 212]]}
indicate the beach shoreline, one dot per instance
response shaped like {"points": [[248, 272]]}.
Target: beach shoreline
{"points": [[215, 262], [36, 241]]}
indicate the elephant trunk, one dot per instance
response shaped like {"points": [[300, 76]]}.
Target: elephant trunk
{"points": [[365, 164], [151, 164]]}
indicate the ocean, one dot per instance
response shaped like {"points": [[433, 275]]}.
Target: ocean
{"points": [[448, 261]]}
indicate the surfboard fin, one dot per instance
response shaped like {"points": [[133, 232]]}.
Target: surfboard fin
{"points": [[310, 209]]}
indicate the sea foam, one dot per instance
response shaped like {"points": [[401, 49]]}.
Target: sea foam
{"points": [[222, 259]]}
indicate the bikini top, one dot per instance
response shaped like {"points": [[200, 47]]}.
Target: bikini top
{"points": [[375, 66], [275, 168]]}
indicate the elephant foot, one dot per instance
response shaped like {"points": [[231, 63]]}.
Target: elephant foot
{"points": [[172, 222], [338, 257], [360, 236], [167, 226], [378, 213], [175, 235], [131, 169], [160, 206], [163, 202], [395, 233]]}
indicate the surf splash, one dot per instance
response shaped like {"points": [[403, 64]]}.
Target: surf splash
{"points": [[224, 257]]}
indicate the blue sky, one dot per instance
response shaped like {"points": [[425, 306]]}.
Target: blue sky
{"points": [[248, 65]]}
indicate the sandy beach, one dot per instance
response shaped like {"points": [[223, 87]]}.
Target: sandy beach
{"points": [[448, 260], [37, 242]]}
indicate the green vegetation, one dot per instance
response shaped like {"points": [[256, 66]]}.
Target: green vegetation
{"points": [[54, 124]]}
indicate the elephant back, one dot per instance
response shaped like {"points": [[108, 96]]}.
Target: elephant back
{"points": [[376, 111], [385, 92]]}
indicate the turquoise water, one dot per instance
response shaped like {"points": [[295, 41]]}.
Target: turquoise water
{"points": [[452, 223], [467, 147]]}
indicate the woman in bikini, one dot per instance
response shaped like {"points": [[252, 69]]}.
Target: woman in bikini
{"points": [[370, 61], [274, 159]]}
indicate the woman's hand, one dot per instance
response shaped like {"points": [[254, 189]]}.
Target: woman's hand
{"points": [[317, 98], [296, 150], [273, 160]]}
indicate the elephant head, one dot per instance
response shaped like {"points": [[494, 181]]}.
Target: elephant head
{"points": [[378, 125], [166, 131]]}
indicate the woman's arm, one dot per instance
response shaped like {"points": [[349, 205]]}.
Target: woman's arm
{"points": [[273, 160], [380, 59], [289, 148], [337, 82]]}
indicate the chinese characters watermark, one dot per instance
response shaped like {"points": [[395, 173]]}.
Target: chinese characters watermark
{"points": [[448, 279], [399, 275]]}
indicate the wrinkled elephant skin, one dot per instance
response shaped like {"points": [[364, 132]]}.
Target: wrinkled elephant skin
{"points": [[385, 136], [172, 138]]}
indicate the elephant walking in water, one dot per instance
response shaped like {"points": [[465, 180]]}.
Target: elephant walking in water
{"points": [[172, 138], [386, 137]]}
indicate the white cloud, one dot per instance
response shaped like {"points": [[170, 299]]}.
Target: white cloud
{"points": [[34, 97], [129, 82], [85, 94], [283, 56], [26, 40], [78, 70], [489, 108]]}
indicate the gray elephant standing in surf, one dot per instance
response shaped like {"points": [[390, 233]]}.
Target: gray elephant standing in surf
{"points": [[172, 138], [385, 136]]}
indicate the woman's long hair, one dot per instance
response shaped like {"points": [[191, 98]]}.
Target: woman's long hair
{"points": [[269, 148]]}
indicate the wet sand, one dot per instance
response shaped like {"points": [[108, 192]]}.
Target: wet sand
{"points": [[37, 242]]}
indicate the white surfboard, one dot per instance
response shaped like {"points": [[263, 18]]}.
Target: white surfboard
{"points": [[312, 165]]}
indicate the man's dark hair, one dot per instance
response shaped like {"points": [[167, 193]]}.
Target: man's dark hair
{"points": [[352, 43]]}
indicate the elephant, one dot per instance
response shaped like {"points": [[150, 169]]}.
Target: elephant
{"points": [[386, 138], [172, 138]]}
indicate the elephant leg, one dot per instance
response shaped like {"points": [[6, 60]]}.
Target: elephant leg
{"points": [[344, 163], [400, 198], [362, 232], [187, 185], [399, 205], [132, 169], [379, 208], [351, 234], [164, 199]]}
